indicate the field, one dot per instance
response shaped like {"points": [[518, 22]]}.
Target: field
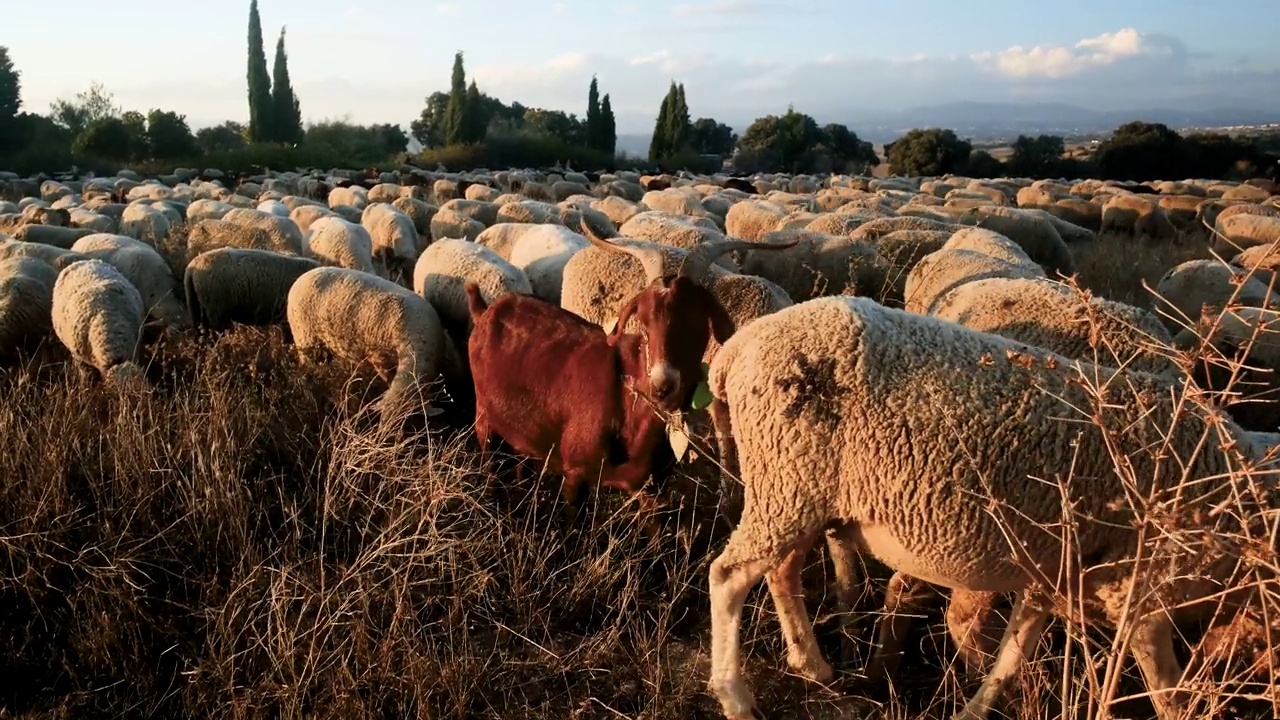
{"points": [[244, 542]]}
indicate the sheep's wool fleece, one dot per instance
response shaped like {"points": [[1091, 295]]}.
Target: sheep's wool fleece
{"points": [[26, 297], [444, 267], [359, 316], [905, 424], [97, 314], [1051, 315]]}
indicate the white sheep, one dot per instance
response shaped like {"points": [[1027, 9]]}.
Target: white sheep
{"points": [[542, 252], [145, 268], [98, 314], [337, 241], [894, 429], [395, 239], [361, 317], [284, 233], [447, 264], [55, 256], [238, 285], [26, 299], [142, 221]]}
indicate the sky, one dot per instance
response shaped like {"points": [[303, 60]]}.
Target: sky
{"points": [[837, 60]]}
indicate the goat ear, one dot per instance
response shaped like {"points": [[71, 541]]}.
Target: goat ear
{"points": [[624, 317]]}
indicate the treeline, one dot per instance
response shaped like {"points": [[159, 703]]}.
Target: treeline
{"points": [[1137, 151], [92, 132], [465, 127]]}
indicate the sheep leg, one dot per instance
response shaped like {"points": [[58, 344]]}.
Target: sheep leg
{"points": [[973, 620], [731, 577], [1026, 622], [903, 597], [803, 654], [1152, 647], [842, 548]]}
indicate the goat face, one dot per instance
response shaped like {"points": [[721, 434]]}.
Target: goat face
{"points": [[677, 318]]}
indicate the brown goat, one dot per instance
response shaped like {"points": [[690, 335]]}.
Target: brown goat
{"points": [[557, 388]]}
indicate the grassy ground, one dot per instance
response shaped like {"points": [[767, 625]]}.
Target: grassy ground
{"points": [[243, 543]]}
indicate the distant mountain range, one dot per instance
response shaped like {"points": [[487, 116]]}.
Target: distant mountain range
{"points": [[991, 121]]}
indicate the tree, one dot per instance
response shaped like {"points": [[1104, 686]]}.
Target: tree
{"points": [[659, 144], [228, 136], [983, 164], [708, 137], [557, 124], [88, 106], [929, 151], [1036, 157], [107, 138], [357, 143], [286, 114], [608, 127], [455, 119], [169, 137], [678, 125], [10, 103], [135, 125], [792, 142], [1216, 155], [260, 106], [595, 137], [846, 150], [475, 122], [1140, 151], [429, 127]]}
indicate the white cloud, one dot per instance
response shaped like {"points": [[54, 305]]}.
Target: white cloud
{"points": [[1058, 61]]}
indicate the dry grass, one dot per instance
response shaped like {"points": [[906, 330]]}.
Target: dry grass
{"points": [[244, 542]]}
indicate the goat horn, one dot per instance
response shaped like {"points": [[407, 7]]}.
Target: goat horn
{"points": [[698, 260], [650, 259]]}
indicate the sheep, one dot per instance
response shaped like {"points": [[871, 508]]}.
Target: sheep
{"points": [[872, 230], [451, 223], [420, 213], [817, 264], [815, 402], [145, 268], [1196, 285], [448, 263], [336, 241], [206, 235], [1052, 316], [284, 233], [542, 252], [304, 215], [97, 314], [751, 219], [55, 235], [939, 273], [1242, 231], [361, 317], [1249, 340], [240, 285], [501, 238], [668, 229], [90, 220], [55, 256], [142, 221], [597, 281], [26, 298], [1138, 216], [1035, 234], [557, 388]]}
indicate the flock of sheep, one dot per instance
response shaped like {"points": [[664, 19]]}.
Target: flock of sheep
{"points": [[902, 355]]}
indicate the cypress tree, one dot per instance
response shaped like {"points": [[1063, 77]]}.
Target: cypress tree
{"points": [[286, 114], [455, 116], [595, 138], [608, 127], [473, 111], [260, 125], [678, 126], [659, 144]]}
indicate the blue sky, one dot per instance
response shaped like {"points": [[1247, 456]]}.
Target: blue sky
{"points": [[375, 61]]}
